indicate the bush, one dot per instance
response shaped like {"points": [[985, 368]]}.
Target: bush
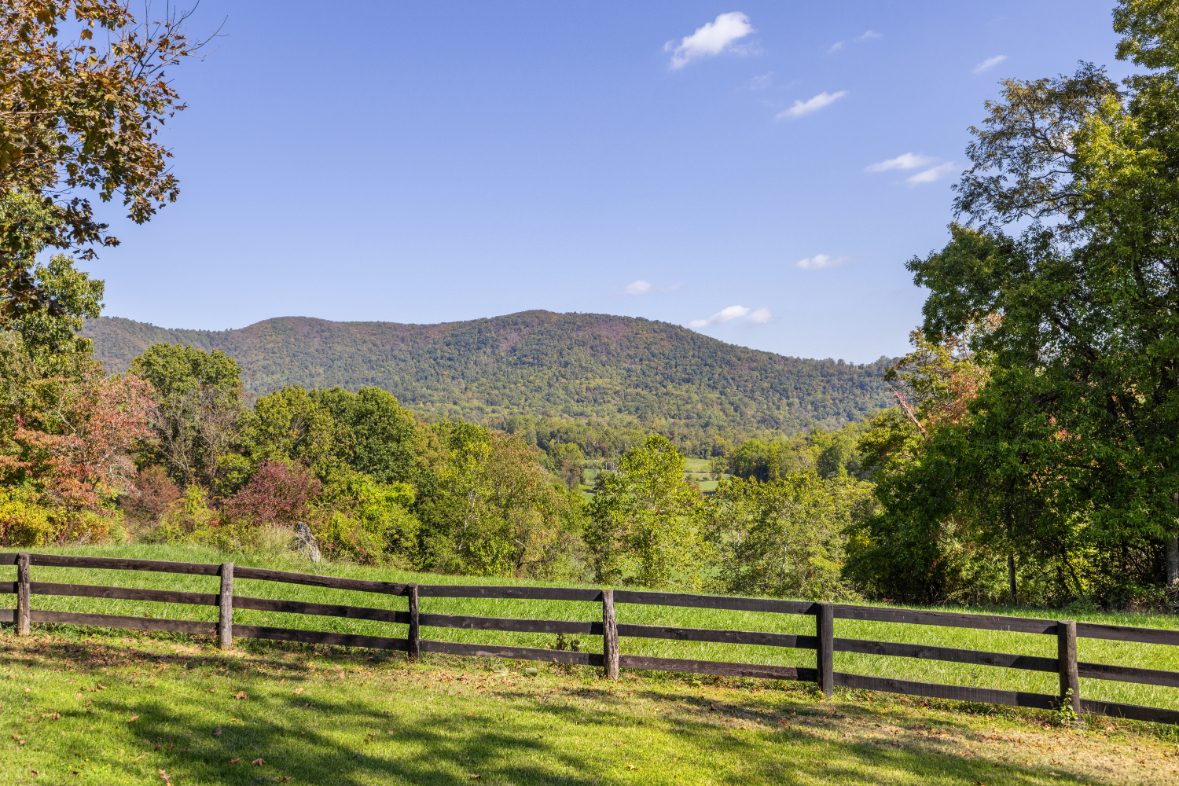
{"points": [[278, 494], [153, 494]]}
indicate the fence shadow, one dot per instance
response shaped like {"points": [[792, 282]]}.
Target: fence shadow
{"points": [[326, 737]]}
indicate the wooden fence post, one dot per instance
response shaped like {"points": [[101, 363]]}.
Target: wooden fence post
{"points": [[225, 617], [23, 595], [415, 630], [825, 651], [609, 635], [1066, 652]]}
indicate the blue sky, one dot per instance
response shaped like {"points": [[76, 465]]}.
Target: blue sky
{"points": [[759, 171]]}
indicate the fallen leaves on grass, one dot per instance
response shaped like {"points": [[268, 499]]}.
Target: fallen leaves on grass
{"points": [[133, 718], [165, 777], [258, 762], [217, 732], [475, 777], [235, 761], [241, 694]]}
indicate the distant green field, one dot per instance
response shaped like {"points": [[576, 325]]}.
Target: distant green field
{"points": [[1091, 650]]}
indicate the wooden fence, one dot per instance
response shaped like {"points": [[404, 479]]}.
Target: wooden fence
{"points": [[611, 660]]}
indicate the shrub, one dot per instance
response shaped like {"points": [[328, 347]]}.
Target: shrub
{"points": [[153, 494], [278, 494]]}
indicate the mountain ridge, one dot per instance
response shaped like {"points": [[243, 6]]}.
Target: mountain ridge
{"points": [[537, 363]]}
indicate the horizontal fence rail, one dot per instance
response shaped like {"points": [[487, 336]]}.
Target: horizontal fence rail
{"points": [[824, 642]]}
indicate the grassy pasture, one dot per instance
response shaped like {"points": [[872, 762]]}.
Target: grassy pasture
{"points": [[130, 708], [1091, 650]]}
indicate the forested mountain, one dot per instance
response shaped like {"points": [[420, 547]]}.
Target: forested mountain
{"points": [[537, 363]]}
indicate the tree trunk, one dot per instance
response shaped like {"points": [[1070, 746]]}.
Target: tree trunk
{"points": [[1173, 562], [1011, 575], [1173, 552]]}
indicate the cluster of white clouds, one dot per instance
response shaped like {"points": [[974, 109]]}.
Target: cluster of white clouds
{"points": [[642, 287], [932, 169], [759, 317], [719, 35], [868, 35], [801, 108], [989, 63], [819, 261]]}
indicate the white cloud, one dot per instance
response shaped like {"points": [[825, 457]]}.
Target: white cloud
{"points": [[903, 161], [869, 35], [672, 287], [720, 317], [821, 261], [835, 47], [639, 287], [760, 317], [709, 40], [989, 63], [761, 82], [801, 108], [931, 175]]}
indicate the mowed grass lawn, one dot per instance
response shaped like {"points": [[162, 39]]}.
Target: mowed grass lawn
{"points": [[149, 708], [69, 697]]}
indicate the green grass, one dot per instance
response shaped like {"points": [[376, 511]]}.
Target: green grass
{"points": [[119, 708], [1092, 650]]}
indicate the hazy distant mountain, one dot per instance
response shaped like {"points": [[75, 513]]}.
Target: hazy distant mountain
{"points": [[534, 363]]}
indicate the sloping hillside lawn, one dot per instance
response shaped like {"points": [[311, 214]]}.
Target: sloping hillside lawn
{"points": [[118, 707]]}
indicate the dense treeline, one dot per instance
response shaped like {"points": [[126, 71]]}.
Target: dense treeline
{"points": [[632, 375]]}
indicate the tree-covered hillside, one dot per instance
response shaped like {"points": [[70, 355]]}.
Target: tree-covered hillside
{"points": [[585, 366]]}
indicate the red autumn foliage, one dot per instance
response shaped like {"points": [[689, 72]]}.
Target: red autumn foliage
{"points": [[152, 495], [277, 494], [78, 450]]}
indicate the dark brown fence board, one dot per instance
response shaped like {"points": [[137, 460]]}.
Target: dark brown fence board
{"points": [[510, 624], [720, 636], [8, 558], [320, 609], [1089, 630], [953, 655], [114, 621], [720, 668], [123, 593], [515, 593], [949, 619], [7, 615], [514, 653], [316, 580], [938, 691], [1130, 711], [319, 637], [1101, 671], [114, 563], [713, 602], [8, 588]]}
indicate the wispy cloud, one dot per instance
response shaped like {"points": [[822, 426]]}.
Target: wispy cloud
{"points": [[720, 317], [710, 40], [761, 82], [903, 161], [760, 317], [869, 35], [835, 47], [639, 287], [672, 287], [819, 261], [989, 63], [801, 108], [931, 175]]}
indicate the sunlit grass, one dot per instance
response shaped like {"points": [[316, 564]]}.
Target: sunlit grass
{"points": [[1091, 650]]}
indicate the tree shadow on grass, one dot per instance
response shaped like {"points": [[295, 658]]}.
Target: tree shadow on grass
{"points": [[511, 737]]}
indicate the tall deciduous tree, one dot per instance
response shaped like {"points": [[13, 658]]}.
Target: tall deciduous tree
{"points": [[81, 115], [1085, 381], [200, 415], [644, 519]]}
